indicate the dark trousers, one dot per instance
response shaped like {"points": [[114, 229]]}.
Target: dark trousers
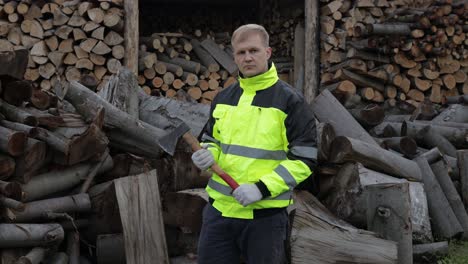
{"points": [[223, 240]]}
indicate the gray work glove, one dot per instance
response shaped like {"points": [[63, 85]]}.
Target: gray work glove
{"points": [[203, 158], [247, 193]]}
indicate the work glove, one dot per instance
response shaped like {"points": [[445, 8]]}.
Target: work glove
{"points": [[203, 158], [247, 193]]}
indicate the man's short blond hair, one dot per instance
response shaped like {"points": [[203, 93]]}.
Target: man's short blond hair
{"points": [[242, 33]]}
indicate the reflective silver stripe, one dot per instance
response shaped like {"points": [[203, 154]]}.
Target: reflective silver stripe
{"points": [[254, 153], [306, 152], [284, 196], [226, 190], [205, 137], [287, 177]]}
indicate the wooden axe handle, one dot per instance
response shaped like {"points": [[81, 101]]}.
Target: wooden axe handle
{"points": [[195, 145]]}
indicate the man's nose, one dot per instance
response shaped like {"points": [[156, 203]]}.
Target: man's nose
{"points": [[248, 56]]}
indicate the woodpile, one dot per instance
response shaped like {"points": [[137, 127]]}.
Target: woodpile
{"points": [[403, 177], [64, 168], [184, 66], [67, 40], [394, 51]]}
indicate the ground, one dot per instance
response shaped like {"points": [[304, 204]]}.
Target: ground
{"points": [[458, 254]]}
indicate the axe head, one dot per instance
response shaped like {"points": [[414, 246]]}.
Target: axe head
{"points": [[168, 142]]}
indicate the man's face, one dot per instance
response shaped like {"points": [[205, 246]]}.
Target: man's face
{"points": [[251, 55]]}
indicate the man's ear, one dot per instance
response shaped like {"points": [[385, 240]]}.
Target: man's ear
{"points": [[269, 51]]}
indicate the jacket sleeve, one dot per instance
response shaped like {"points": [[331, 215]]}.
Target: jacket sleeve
{"points": [[302, 151], [207, 135]]}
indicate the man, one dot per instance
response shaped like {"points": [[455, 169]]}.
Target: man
{"points": [[262, 133]]}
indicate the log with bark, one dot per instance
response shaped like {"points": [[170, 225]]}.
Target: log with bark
{"points": [[319, 237]]}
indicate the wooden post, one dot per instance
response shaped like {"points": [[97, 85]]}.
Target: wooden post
{"points": [[388, 214], [299, 43], [131, 35], [312, 48]]}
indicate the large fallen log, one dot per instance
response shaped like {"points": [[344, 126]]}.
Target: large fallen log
{"points": [[319, 237], [329, 110], [87, 104], [348, 149]]}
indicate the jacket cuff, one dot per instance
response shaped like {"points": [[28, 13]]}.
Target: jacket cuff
{"points": [[263, 189]]}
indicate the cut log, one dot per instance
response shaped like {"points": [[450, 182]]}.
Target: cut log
{"points": [[319, 237], [30, 235], [454, 135], [14, 63], [189, 66], [389, 215], [7, 166], [440, 170], [344, 74], [347, 198], [348, 149], [35, 256], [12, 142], [31, 161], [444, 221], [59, 180], [206, 59], [462, 157], [329, 110], [175, 213], [87, 103], [16, 92], [369, 116]]}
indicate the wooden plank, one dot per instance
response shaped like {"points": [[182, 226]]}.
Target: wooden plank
{"points": [[142, 222], [131, 35], [312, 46]]}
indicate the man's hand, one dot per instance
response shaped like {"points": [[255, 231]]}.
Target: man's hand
{"points": [[247, 193], [203, 158]]}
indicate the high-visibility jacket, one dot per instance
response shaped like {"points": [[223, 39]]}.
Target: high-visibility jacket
{"points": [[260, 131]]}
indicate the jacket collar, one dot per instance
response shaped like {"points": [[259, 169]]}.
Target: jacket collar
{"points": [[259, 82]]}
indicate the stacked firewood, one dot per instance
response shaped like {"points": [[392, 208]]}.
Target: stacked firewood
{"points": [[68, 40], [59, 162], [395, 50], [173, 62], [399, 173]]}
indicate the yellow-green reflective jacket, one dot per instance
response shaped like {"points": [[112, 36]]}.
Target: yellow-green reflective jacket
{"points": [[260, 131]]}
